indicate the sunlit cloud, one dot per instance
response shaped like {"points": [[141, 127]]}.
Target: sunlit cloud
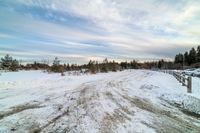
{"points": [[80, 30]]}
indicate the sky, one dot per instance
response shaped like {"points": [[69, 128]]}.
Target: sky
{"points": [[79, 30]]}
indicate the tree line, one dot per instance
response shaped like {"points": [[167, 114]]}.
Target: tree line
{"points": [[10, 64], [189, 58]]}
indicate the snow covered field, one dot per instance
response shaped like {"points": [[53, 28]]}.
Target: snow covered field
{"points": [[138, 101]]}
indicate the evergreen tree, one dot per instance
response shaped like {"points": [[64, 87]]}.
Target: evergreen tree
{"points": [[192, 56], [113, 66], [97, 66], [92, 67], [65, 67], [186, 58], [14, 66], [104, 67], [176, 59], [133, 64], [161, 64], [198, 54], [179, 58], [56, 62], [56, 67], [124, 65], [68, 67], [7, 63]]}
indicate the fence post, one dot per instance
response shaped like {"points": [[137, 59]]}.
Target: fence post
{"points": [[183, 82], [189, 87], [179, 77]]}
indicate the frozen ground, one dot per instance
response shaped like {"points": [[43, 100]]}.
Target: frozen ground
{"points": [[137, 101]]}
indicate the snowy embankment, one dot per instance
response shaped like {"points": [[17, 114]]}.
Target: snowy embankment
{"points": [[129, 101]]}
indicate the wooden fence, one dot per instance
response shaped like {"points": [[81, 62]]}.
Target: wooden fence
{"points": [[183, 79]]}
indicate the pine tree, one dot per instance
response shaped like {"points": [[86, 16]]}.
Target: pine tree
{"points": [[68, 67], [56, 67], [56, 62], [179, 58], [97, 66], [92, 67], [7, 63], [14, 66], [192, 56], [104, 67], [198, 54], [124, 65], [113, 66], [65, 67], [186, 58], [133, 64], [160, 64]]}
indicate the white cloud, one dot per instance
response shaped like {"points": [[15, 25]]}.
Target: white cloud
{"points": [[130, 27]]}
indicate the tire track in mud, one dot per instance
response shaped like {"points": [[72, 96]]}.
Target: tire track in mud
{"points": [[18, 109], [120, 115], [124, 113], [74, 98], [109, 121], [81, 101], [52, 121], [87, 99]]}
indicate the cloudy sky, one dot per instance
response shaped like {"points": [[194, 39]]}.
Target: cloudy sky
{"points": [[79, 30]]}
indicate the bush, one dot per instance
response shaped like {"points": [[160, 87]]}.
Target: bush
{"points": [[56, 67]]}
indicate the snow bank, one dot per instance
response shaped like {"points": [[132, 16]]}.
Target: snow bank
{"points": [[196, 87]]}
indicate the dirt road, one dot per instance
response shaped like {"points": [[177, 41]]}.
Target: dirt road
{"points": [[126, 102]]}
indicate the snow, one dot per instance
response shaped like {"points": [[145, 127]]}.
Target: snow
{"points": [[22, 75], [192, 72], [139, 101], [196, 87]]}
